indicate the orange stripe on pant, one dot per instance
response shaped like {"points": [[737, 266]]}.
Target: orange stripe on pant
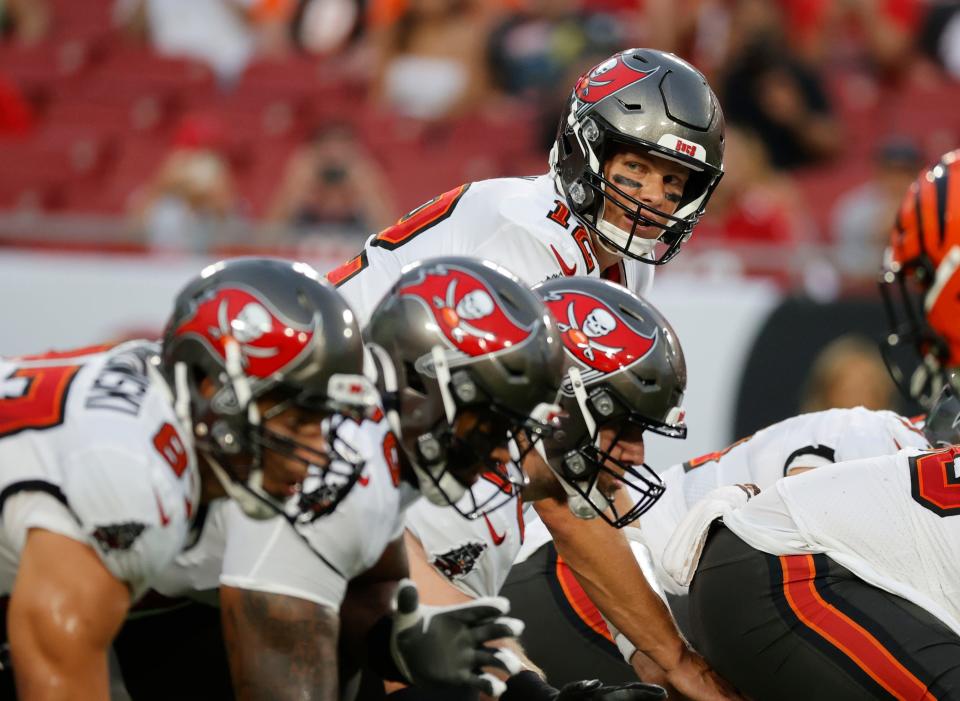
{"points": [[845, 634], [579, 601]]}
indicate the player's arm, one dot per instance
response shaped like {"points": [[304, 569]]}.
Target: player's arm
{"points": [[279, 647], [65, 609], [368, 600], [603, 563], [436, 590]]}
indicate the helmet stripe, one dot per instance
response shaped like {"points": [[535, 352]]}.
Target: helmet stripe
{"points": [[940, 183]]}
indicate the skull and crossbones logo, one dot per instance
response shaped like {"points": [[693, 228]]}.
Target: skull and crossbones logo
{"points": [[250, 323], [597, 324], [474, 305]]}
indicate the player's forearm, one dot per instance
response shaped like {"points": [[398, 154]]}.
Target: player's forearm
{"points": [[279, 647], [603, 563]]}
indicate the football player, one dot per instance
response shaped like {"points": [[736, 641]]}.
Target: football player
{"points": [[626, 375], [638, 153], [467, 358], [108, 454], [841, 582]]}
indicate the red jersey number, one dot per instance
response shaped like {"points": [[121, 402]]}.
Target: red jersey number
{"points": [[934, 481], [34, 398], [420, 219], [171, 448]]}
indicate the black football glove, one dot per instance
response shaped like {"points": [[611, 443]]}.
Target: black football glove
{"points": [[444, 646], [594, 690]]}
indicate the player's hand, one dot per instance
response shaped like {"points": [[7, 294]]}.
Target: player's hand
{"points": [[441, 646], [594, 690], [694, 679]]}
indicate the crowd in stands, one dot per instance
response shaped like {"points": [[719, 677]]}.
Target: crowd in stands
{"points": [[200, 119]]}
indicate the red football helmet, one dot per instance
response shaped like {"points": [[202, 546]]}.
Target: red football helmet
{"points": [[920, 283]]}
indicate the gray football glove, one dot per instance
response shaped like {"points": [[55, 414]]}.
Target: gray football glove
{"points": [[444, 646]]}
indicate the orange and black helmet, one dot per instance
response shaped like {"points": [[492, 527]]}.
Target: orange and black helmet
{"points": [[920, 283]]}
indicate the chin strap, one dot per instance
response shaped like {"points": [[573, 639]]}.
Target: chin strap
{"points": [[253, 501]]}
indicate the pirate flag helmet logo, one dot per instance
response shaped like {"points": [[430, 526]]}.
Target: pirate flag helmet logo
{"points": [[467, 311], [625, 376], [595, 334]]}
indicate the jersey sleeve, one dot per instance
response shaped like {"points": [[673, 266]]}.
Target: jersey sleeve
{"points": [[130, 519], [430, 230], [269, 556]]}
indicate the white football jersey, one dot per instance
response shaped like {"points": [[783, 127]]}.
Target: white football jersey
{"points": [[475, 555], [892, 520], [317, 560], [95, 432], [522, 224], [808, 440]]}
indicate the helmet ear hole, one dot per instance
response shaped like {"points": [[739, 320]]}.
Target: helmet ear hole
{"points": [[414, 381]]}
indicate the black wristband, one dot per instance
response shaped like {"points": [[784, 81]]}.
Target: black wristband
{"points": [[379, 656], [528, 686]]}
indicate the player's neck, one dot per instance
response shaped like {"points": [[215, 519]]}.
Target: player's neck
{"points": [[605, 258]]}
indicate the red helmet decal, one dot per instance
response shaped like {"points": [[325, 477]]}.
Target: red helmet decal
{"points": [[607, 78], [267, 344], [595, 334], [467, 311]]}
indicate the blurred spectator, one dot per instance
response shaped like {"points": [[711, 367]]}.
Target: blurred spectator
{"points": [[189, 205], [326, 26], [862, 218], [848, 372], [940, 35], [878, 33], [769, 90], [25, 21], [431, 59], [754, 203], [224, 34], [16, 116], [332, 182]]}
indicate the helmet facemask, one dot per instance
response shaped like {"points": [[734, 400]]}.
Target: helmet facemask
{"points": [[473, 426], [231, 434], [942, 424], [674, 228], [590, 143], [579, 469], [916, 356]]}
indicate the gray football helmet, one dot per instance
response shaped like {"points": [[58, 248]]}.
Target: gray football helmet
{"points": [[652, 100], [257, 327], [458, 337], [626, 372]]}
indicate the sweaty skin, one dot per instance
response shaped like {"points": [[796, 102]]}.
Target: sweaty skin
{"points": [[279, 647], [65, 610]]}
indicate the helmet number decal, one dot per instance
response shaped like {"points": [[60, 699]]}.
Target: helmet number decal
{"points": [[34, 398], [935, 481]]}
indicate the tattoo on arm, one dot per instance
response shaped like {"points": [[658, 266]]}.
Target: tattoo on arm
{"points": [[279, 647]]}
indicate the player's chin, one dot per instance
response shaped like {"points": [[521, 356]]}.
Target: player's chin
{"points": [[283, 483]]}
